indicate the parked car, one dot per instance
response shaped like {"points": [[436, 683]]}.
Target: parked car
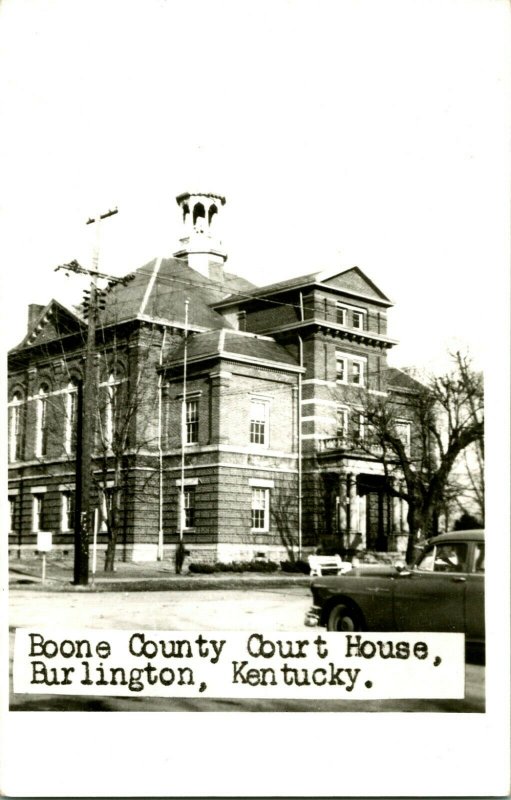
{"points": [[443, 591]]}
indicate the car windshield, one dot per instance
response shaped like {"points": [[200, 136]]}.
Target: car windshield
{"points": [[445, 557]]}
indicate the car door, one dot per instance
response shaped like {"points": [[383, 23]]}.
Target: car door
{"points": [[431, 597], [474, 605]]}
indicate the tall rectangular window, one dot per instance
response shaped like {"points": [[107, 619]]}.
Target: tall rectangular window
{"points": [[16, 428], [192, 421], [350, 368], [341, 368], [341, 315], [105, 507], [71, 418], [358, 318], [42, 422], [39, 512], [357, 373], [113, 414], [112, 410], [13, 512], [189, 506], [342, 421], [360, 430], [259, 422], [260, 509], [68, 511], [404, 432]]}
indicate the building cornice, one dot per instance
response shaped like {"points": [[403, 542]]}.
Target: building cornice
{"points": [[349, 334], [237, 358], [262, 294]]}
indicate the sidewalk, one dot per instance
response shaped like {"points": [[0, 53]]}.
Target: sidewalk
{"points": [[26, 573]]}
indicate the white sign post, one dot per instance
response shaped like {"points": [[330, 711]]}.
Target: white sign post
{"points": [[44, 545], [95, 544]]}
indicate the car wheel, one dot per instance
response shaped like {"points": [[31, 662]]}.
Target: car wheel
{"points": [[343, 618]]}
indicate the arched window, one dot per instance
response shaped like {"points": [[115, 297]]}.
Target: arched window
{"points": [[42, 420], [199, 217], [112, 408], [71, 416], [212, 213], [16, 427], [186, 214]]}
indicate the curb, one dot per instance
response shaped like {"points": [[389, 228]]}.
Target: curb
{"points": [[167, 584]]}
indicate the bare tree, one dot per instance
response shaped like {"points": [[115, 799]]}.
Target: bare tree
{"points": [[446, 417], [284, 513], [466, 488], [127, 413]]}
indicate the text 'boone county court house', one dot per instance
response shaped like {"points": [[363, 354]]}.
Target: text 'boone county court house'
{"points": [[275, 453]]}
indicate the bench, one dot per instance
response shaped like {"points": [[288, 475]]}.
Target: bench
{"points": [[328, 565]]}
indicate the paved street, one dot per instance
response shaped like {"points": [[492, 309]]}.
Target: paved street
{"points": [[270, 609]]}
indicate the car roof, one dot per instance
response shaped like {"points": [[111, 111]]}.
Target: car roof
{"points": [[459, 536]]}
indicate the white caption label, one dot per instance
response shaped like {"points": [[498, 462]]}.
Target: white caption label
{"points": [[239, 664]]}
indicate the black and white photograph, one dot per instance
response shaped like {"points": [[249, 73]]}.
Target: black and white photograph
{"points": [[255, 317]]}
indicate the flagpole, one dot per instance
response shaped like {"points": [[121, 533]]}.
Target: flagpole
{"points": [[183, 433]]}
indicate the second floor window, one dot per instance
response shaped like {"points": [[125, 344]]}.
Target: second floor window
{"points": [[341, 368], [259, 422], [404, 432], [105, 507], [360, 427], [42, 421], [192, 421], [71, 416], [342, 421], [349, 369], [16, 427], [357, 373], [112, 413]]}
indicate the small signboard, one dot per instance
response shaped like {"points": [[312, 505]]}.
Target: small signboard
{"points": [[44, 541]]}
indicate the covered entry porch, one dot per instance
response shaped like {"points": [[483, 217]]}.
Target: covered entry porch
{"points": [[365, 512]]}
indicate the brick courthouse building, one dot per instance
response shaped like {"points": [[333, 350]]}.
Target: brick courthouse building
{"points": [[273, 452]]}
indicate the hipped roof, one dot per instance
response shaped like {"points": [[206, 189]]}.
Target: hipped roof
{"points": [[234, 344], [159, 290]]}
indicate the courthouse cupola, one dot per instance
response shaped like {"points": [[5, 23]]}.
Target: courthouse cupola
{"points": [[200, 242]]}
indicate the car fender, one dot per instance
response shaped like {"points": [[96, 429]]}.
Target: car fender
{"points": [[341, 599], [371, 595]]}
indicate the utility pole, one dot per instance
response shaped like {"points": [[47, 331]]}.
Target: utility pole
{"points": [[84, 456], [180, 546]]}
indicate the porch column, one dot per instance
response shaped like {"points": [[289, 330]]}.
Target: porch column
{"points": [[353, 523], [397, 512], [343, 516], [404, 511], [362, 519]]}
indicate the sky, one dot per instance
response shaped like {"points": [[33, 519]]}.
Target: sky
{"points": [[342, 133]]}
